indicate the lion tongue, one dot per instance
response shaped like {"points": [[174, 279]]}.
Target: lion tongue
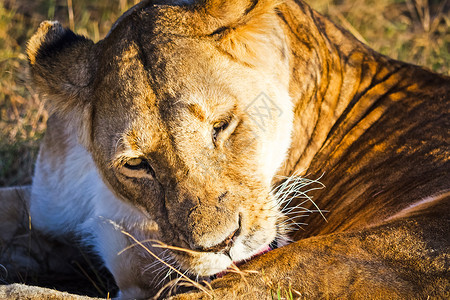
{"points": [[241, 262]]}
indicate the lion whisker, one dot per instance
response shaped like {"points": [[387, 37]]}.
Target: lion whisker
{"points": [[169, 260], [163, 255], [293, 189], [161, 268], [297, 208], [290, 219], [297, 194], [298, 226], [293, 184], [168, 273]]}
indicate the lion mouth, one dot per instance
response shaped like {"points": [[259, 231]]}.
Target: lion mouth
{"points": [[263, 250]]}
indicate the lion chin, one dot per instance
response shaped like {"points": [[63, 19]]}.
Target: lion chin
{"points": [[218, 264]]}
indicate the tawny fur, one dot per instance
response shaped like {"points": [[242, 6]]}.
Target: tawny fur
{"points": [[373, 129]]}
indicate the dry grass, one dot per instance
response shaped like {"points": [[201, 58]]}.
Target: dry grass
{"points": [[416, 31], [22, 113], [412, 30]]}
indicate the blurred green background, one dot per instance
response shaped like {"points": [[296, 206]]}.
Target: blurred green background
{"points": [[416, 31]]}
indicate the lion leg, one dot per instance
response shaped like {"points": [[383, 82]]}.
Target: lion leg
{"points": [[25, 252], [401, 259], [13, 210], [16, 235]]}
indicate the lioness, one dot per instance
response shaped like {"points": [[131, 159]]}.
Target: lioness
{"points": [[185, 126]]}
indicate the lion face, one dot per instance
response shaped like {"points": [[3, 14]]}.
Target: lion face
{"points": [[183, 128]]}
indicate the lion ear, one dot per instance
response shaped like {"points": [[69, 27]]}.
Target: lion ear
{"points": [[227, 10], [247, 28], [61, 66]]}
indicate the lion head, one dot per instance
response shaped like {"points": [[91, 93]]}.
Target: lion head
{"points": [[185, 110]]}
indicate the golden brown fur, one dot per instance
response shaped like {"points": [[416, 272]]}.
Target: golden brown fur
{"points": [[167, 76]]}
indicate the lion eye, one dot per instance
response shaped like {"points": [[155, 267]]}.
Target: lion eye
{"points": [[139, 164], [134, 162], [218, 128]]}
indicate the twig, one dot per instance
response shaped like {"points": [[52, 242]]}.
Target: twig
{"points": [[71, 19], [200, 287]]}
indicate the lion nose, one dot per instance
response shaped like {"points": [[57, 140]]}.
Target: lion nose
{"points": [[225, 245]]}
